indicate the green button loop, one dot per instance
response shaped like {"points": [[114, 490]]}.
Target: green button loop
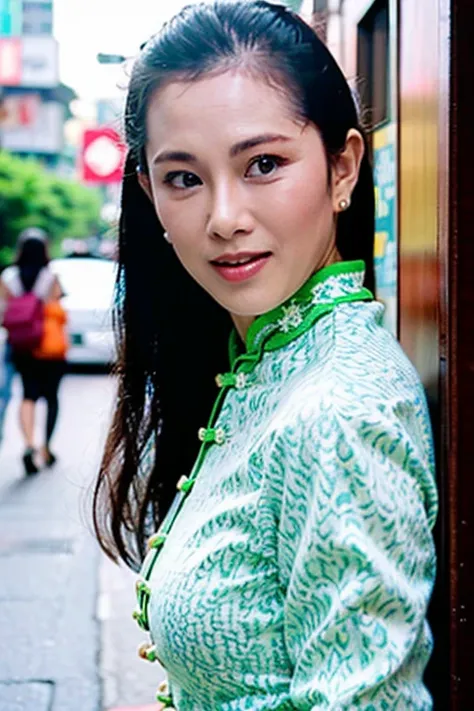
{"points": [[231, 380], [143, 591], [185, 484], [209, 435], [156, 541], [166, 700], [141, 620]]}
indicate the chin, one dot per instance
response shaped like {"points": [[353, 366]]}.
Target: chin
{"points": [[246, 300]]}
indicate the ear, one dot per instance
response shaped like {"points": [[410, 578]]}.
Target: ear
{"points": [[145, 184], [345, 169]]}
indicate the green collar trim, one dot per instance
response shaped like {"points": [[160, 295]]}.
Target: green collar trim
{"points": [[337, 283]]}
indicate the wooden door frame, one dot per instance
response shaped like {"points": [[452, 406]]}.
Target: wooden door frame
{"points": [[457, 274]]}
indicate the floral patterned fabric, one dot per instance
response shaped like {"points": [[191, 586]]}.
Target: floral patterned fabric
{"points": [[298, 571]]}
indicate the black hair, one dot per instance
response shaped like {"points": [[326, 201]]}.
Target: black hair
{"points": [[32, 257], [172, 335]]}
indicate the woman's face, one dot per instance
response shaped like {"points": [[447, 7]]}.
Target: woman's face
{"points": [[241, 187]]}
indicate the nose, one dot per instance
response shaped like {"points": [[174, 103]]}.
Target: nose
{"points": [[229, 213]]}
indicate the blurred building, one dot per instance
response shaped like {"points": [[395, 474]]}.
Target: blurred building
{"points": [[34, 105]]}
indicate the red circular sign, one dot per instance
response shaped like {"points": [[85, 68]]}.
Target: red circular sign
{"points": [[103, 156]]}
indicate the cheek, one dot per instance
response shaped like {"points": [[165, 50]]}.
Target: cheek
{"points": [[180, 219], [162, 207], [175, 216], [303, 203]]}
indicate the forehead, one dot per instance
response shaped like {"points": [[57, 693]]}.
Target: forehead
{"points": [[232, 104]]}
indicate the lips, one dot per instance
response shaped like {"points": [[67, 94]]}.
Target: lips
{"points": [[235, 260], [241, 266]]}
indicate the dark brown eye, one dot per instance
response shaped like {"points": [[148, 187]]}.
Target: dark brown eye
{"points": [[264, 165], [182, 180], [189, 180]]}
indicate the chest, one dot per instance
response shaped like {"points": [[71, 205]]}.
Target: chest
{"points": [[217, 577]]}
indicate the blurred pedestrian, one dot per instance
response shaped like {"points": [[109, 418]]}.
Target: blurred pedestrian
{"points": [[35, 321], [294, 568]]}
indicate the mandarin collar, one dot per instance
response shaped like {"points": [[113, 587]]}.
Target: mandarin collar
{"points": [[337, 283]]}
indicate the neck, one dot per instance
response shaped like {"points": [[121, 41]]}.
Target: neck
{"points": [[242, 323]]}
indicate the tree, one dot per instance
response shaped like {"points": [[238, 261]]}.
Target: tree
{"points": [[32, 196]]}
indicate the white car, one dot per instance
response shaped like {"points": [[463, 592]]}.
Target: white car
{"points": [[88, 285]]}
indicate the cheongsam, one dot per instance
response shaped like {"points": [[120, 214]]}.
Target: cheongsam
{"points": [[299, 565]]}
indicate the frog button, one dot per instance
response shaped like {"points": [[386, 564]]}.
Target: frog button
{"points": [[156, 541], [231, 380], [219, 436], [163, 695], [211, 435], [240, 381], [148, 652], [141, 587], [185, 484], [143, 593], [220, 380], [141, 620]]}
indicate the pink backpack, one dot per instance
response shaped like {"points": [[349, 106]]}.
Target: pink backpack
{"points": [[23, 320]]}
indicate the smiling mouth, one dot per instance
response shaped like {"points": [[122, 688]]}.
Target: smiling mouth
{"points": [[236, 268]]}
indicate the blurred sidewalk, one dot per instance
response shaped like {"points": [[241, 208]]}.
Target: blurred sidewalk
{"points": [[67, 639], [49, 648], [128, 681]]}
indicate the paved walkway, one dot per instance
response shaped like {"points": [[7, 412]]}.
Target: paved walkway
{"points": [[67, 638], [49, 560]]}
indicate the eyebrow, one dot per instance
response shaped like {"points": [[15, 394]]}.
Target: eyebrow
{"points": [[240, 147], [248, 143], [180, 156]]}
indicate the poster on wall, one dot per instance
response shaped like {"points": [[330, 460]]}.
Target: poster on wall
{"points": [[386, 248]]}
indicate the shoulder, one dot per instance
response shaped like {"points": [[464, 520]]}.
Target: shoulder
{"points": [[352, 363], [364, 390], [9, 274], [45, 282], [10, 282], [361, 415]]}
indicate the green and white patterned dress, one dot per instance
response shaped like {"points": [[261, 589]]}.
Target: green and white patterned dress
{"points": [[296, 565]]}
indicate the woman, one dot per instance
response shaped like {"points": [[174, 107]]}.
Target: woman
{"points": [[42, 367], [295, 566]]}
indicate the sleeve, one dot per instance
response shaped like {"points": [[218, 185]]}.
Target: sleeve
{"points": [[356, 558]]}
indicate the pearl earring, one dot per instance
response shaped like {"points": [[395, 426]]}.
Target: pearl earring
{"points": [[167, 237], [344, 204]]}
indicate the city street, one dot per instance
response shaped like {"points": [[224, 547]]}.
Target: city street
{"points": [[67, 639]]}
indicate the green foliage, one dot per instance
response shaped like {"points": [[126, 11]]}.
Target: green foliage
{"points": [[31, 196]]}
